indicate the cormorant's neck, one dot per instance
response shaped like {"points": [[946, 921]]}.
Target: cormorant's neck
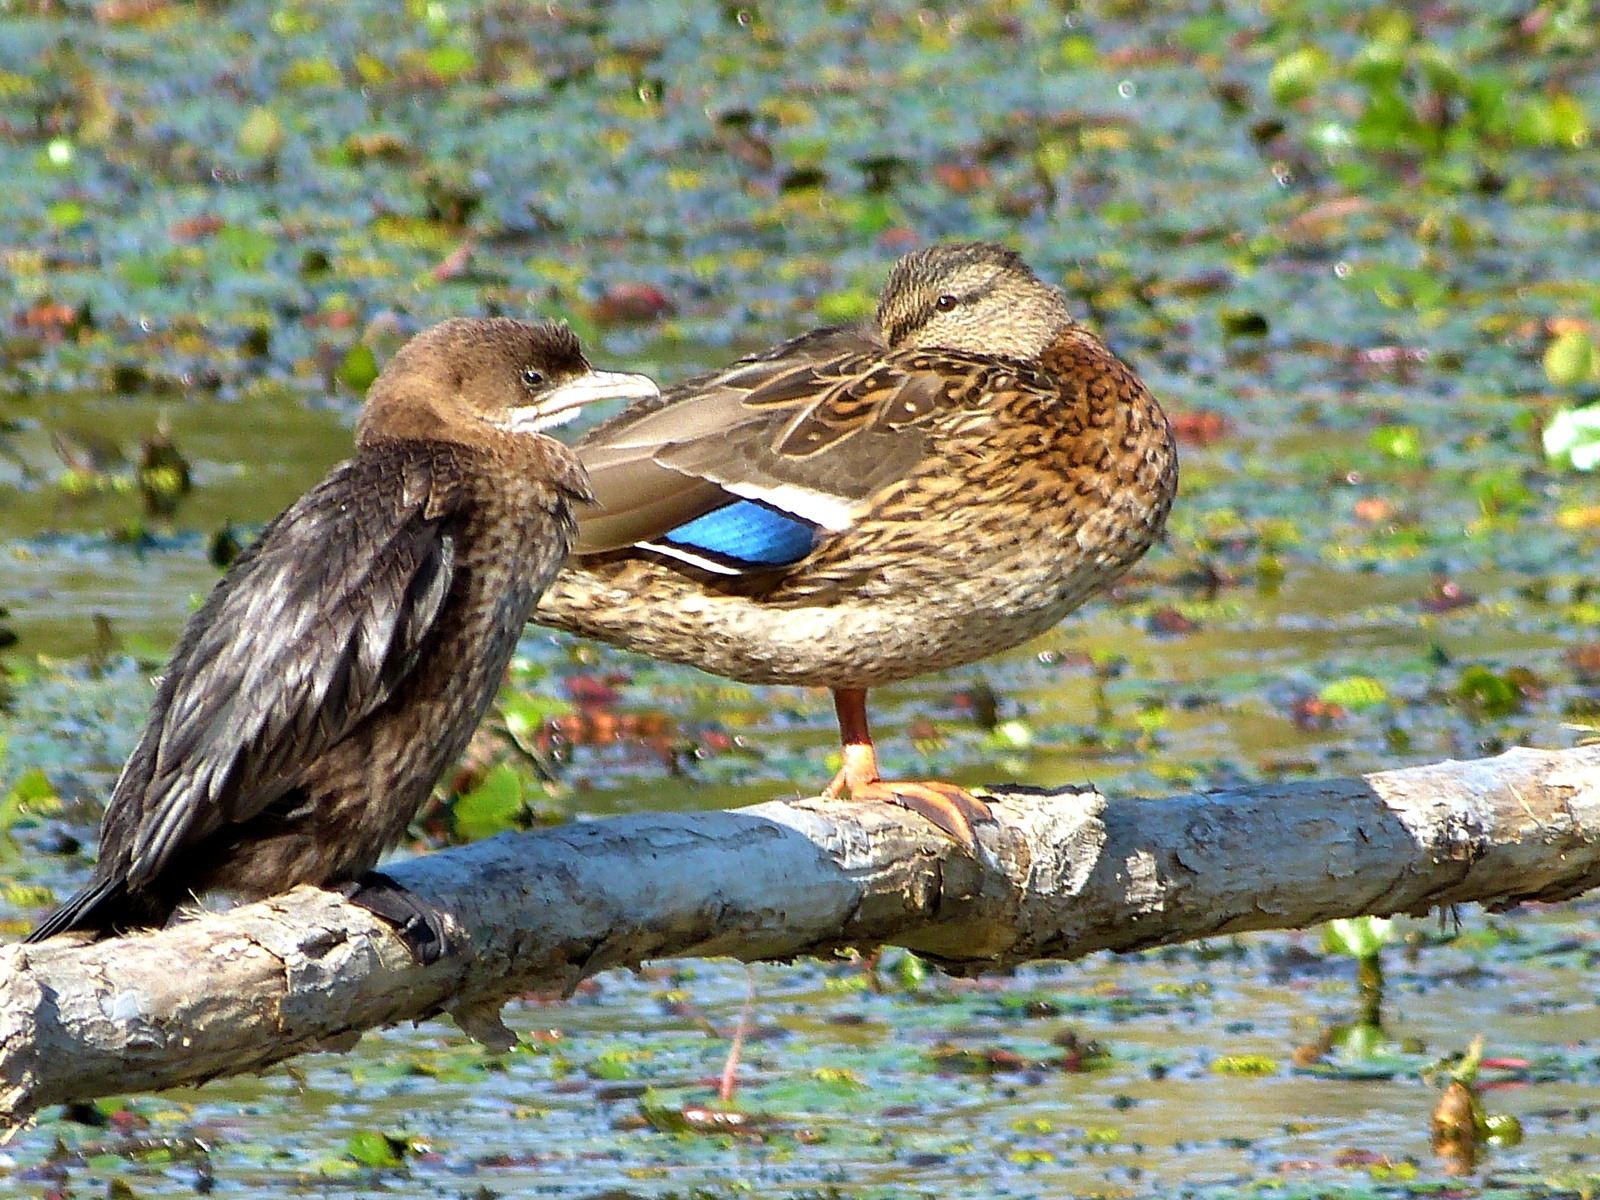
{"points": [[401, 416]]}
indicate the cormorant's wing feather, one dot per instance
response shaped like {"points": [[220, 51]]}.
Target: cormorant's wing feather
{"points": [[96, 892], [309, 632]]}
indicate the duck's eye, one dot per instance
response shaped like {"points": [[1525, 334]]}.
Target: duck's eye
{"points": [[532, 378], [946, 302]]}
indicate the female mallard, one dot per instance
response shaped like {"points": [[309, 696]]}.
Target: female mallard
{"points": [[863, 504]]}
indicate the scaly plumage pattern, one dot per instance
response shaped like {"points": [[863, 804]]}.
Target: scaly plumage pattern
{"points": [[346, 657], [965, 470]]}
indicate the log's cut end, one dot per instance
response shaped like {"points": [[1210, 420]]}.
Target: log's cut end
{"points": [[213, 994], [22, 1001]]}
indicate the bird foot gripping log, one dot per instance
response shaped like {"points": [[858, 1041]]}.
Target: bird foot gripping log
{"points": [[953, 809], [423, 929]]}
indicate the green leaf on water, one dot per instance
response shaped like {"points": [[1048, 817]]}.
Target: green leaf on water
{"points": [[318, 72], [359, 368], [64, 214], [450, 63], [1402, 443], [1298, 74], [525, 713], [838, 308], [1572, 438], [1553, 121], [246, 248], [492, 807], [1244, 1065], [25, 896], [372, 1148], [261, 135], [873, 214], [1078, 50], [1572, 359], [1378, 64], [1488, 694], [910, 971], [34, 786], [1355, 692], [1359, 937], [32, 795], [1503, 1129]]}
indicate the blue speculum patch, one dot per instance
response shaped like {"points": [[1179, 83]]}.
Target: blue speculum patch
{"points": [[747, 533]]}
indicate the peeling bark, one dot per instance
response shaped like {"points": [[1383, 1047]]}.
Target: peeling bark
{"points": [[1060, 875]]}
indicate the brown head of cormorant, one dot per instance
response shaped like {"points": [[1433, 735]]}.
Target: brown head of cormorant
{"points": [[347, 656]]}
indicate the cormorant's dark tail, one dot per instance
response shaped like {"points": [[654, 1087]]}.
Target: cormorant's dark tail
{"points": [[103, 907]]}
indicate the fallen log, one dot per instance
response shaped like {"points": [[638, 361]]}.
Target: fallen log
{"points": [[1059, 875]]}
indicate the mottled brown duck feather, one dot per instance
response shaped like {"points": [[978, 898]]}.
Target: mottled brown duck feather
{"points": [[975, 464]]}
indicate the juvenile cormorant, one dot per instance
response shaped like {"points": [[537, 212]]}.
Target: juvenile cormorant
{"points": [[347, 656]]}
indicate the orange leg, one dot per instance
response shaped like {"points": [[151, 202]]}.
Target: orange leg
{"points": [[953, 809]]}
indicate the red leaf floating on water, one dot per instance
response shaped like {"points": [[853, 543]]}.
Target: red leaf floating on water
{"points": [[1313, 714], [1447, 596], [628, 302], [454, 265], [1200, 427], [1505, 1064], [1171, 621], [1373, 509], [192, 229], [1585, 663], [54, 320], [591, 691]]}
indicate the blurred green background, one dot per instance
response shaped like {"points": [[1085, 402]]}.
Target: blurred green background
{"points": [[1352, 247]]}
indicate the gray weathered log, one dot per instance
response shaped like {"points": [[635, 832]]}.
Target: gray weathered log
{"points": [[1061, 875]]}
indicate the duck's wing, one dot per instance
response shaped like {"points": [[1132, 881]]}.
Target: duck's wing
{"points": [[636, 496], [810, 434], [310, 631]]}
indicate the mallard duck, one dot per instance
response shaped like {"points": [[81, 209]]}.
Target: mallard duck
{"points": [[346, 657], [866, 503]]}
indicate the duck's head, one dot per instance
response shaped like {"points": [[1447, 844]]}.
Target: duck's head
{"points": [[469, 377], [974, 297]]}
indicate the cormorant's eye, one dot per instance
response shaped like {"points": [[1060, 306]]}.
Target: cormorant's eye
{"points": [[946, 302], [532, 378]]}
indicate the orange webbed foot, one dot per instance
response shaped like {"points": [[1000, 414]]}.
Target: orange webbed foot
{"points": [[952, 808]]}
